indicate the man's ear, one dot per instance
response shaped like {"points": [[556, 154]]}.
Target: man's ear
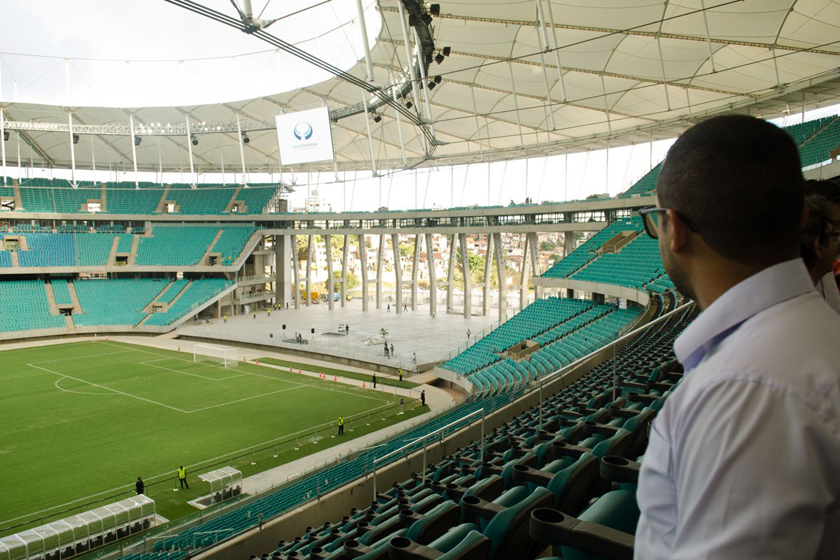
{"points": [[819, 250], [679, 232]]}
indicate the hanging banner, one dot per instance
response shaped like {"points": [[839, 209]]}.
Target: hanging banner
{"points": [[305, 136]]}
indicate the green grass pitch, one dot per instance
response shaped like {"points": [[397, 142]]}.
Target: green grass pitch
{"points": [[86, 419]]}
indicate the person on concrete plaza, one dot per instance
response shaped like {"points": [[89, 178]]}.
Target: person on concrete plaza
{"points": [[182, 477], [225, 318], [341, 425], [389, 308], [759, 404], [423, 397], [269, 312], [469, 333], [405, 308], [414, 357], [373, 380], [400, 375], [139, 486], [819, 243], [392, 349], [255, 314]]}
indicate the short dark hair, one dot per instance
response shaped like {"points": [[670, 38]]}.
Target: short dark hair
{"points": [[829, 189], [820, 218], [739, 180]]}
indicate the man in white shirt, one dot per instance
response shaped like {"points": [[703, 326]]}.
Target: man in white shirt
{"points": [[829, 191], [744, 458]]}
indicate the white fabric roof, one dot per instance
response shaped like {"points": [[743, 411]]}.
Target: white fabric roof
{"points": [[611, 85]]}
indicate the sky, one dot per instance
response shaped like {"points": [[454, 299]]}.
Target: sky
{"points": [[77, 53]]}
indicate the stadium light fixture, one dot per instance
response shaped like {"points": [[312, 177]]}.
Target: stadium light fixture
{"points": [[409, 105], [412, 20], [75, 138], [5, 135], [447, 51], [438, 79], [194, 140], [439, 58], [434, 9], [245, 139], [377, 118], [427, 19], [137, 140], [431, 86]]}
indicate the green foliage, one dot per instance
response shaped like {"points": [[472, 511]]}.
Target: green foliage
{"points": [[352, 281], [547, 246]]}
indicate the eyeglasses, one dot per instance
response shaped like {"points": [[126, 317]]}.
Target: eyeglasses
{"points": [[651, 219]]}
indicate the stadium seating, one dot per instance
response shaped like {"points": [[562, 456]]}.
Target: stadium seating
{"points": [[818, 148], [24, 306], [644, 186], [94, 248], [256, 197], [61, 292], [5, 259], [172, 290], [588, 250], [199, 201], [175, 245], [637, 264], [118, 301], [197, 293], [232, 242], [125, 243], [49, 249], [125, 199]]}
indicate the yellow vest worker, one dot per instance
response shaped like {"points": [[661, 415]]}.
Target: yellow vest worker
{"points": [[182, 478], [341, 425]]}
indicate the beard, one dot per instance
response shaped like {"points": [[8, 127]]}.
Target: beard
{"points": [[678, 275]]}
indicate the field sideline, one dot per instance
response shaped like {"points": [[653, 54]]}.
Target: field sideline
{"points": [[88, 418]]}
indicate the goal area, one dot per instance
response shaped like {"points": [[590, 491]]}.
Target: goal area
{"points": [[219, 356]]}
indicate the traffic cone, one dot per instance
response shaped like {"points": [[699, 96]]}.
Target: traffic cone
{"points": [[334, 378], [106, 338], [300, 372], [258, 362], [363, 384], [290, 369], [243, 359]]}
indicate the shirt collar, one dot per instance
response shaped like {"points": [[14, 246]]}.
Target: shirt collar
{"points": [[744, 300]]}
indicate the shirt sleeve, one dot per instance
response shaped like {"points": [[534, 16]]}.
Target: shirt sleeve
{"points": [[754, 471]]}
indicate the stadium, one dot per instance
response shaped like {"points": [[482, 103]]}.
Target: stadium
{"points": [[372, 273]]}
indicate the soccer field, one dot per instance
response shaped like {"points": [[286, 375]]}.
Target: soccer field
{"points": [[87, 418]]}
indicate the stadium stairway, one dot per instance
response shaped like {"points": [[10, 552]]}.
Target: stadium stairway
{"points": [[233, 200], [205, 259], [112, 254], [51, 298], [132, 257]]}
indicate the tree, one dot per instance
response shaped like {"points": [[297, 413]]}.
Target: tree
{"points": [[547, 246], [352, 281], [407, 249]]}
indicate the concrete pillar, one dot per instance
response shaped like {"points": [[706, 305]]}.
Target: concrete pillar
{"points": [[465, 267], [568, 243], [330, 283], [380, 259], [415, 270], [309, 269], [395, 246], [523, 276], [344, 254], [363, 258], [450, 284], [502, 274], [295, 271], [430, 261], [282, 268], [488, 267], [535, 263]]}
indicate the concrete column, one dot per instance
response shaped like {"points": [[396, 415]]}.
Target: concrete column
{"points": [[344, 254], [296, 271], [363, 258], [430, 261], [488, 267], [502, 274], [380, 259], [415, 270], [450, 284], [465, 267], [568, 243], [395, 246], [523, 277], [330, 283], [282, 269], [309, 270], [535, 262]]}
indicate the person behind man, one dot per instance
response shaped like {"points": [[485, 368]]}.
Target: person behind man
{"points": [[182, 477], [829, 190], [818, 243], [743, 459], [139, 486]]}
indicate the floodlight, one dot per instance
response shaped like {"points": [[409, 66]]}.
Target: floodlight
{"points": [[377, 118], [427, 19], [438, 79], [137, 140], [434, 9], [431, 86], [439, 58], [194, 140], [447, 51], [75, 138], [409, 105], [412, 20], [6, 135], [245, 139]]}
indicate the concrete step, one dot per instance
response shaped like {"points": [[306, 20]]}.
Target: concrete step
{"points": [[51, 299], [171, 303], [133, 255], [103, 199], [70, 324], [74, 297], [112, 256], [205, 260], [233, 200], [15, 259], [162, 200]]}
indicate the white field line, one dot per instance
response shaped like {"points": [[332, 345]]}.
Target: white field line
{"points": [[108, 389], [60, 379], [79, 357], [151, 363], [244, 399]]}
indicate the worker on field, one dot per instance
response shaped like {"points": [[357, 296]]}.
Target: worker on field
{"points": [[341, 425], [139, 486], [182, 477]]}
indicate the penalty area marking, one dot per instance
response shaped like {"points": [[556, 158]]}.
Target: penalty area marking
{"points": [[151, 363]]}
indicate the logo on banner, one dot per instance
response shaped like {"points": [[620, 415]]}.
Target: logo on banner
{"points": [[303, 131]]}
